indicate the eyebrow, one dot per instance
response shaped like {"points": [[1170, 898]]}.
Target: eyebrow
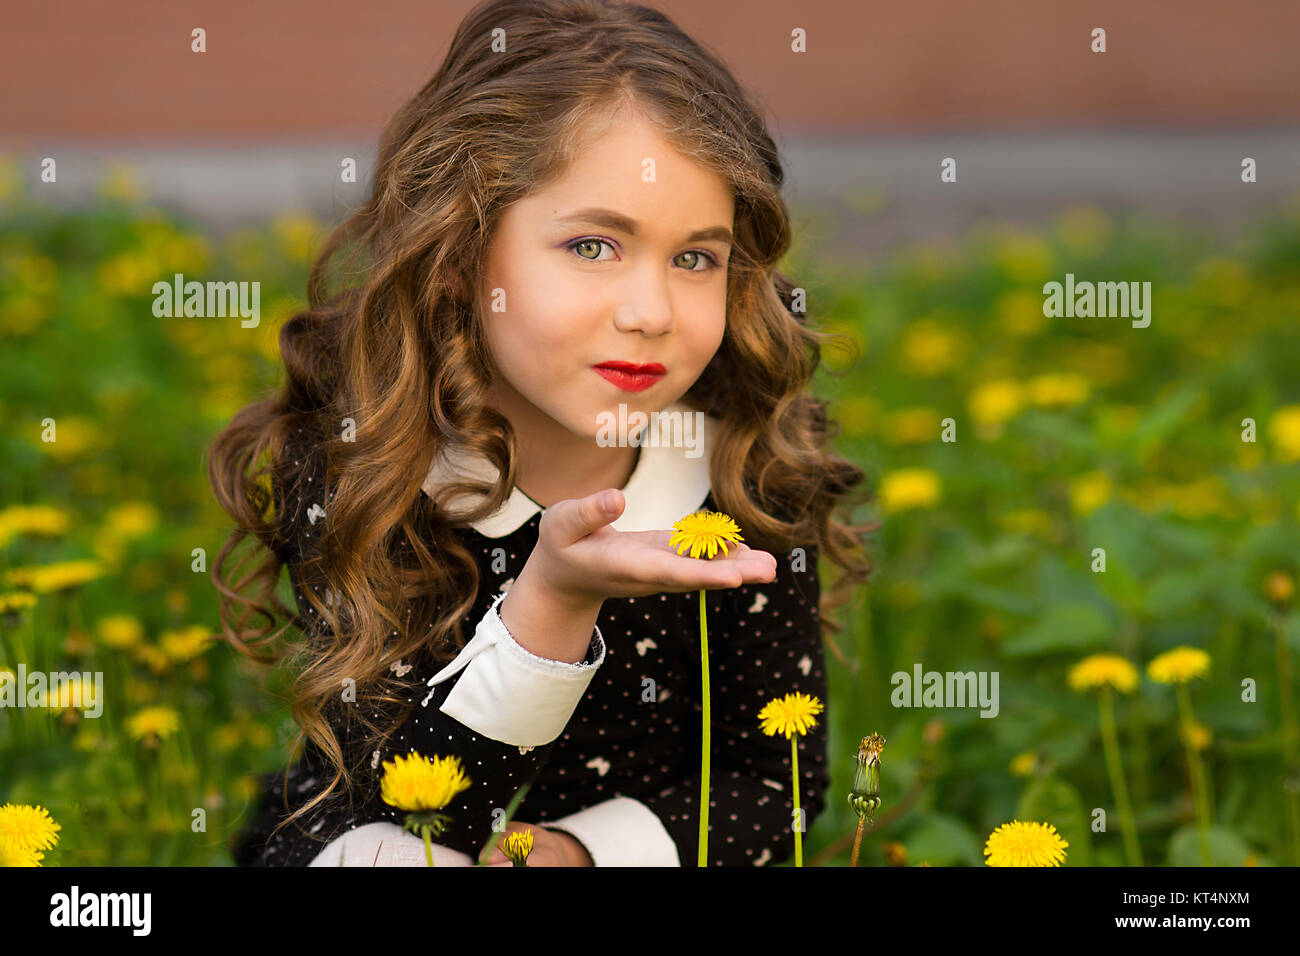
{"points": [[616, 220]]}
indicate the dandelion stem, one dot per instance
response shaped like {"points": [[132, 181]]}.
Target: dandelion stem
{"points": [[1115, 767], [1197, 774], [428, 845], [857, 841], [705, 739], [798, 818]]}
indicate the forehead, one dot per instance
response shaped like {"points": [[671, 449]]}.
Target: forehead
{"points": [[626, 164]]}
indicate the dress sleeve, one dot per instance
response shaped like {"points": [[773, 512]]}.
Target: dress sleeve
{"points": [[496, 705], [764, 642]]}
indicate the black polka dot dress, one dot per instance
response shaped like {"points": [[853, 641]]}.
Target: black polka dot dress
{"points": [[623, 776]]}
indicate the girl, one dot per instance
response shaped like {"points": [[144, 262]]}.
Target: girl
{"points": [[578, 218]]}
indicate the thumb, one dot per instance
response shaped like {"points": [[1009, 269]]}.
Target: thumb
{"points": [[593, 512]]}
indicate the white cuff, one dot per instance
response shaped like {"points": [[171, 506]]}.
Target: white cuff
{"points": [[620, 832], [508, 693]]}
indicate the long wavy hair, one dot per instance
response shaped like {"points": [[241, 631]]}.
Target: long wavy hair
{"points": [[390, 364]]}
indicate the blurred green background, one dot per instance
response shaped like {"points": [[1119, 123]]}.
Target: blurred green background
{"points": [[1071, 435]]}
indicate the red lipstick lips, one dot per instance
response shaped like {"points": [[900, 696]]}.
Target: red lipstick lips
{"points": [[629, 376]]}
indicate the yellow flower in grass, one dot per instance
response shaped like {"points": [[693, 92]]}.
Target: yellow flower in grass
{"points": [[1279, 588], [1104, 670], [153, 724], [704, 533], [185, 644], [517, 845], [1020, 312], [120, 631], [1023, 765], [929, 348], [1284, 429], [152, 657], [909, 488], [995, 402], [1058, 389], [62, 576], [71, 694], [32, 519], [791, 714], [1197, 734], [25, 831], [131, 519], [1179, 666], [416, 783], [1089, 491], [1025, 844], [16, 601], [911, 425]]}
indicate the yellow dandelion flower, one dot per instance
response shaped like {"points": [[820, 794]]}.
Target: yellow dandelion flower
{"points": [[68, 694], [1025, 844], [19, 856], [62, 576], [1279, 588], [1179, 665], [120, 631], [1104, 670], [995, 402], [1196, 734], [70, 436], [132, 519], [929, 348], [1284, 429], [704, 533], [417, 783], [1026, 521], [1020, 313], [1024, 256], [791, 714], [517, 845], [153, 724], [152, 657], [895, 853], [909, 488], [185, 644], [25, 829], [33, 519], [1058, 389], [912, 425], [1089, 491], [227, 737], [16, 601], [1023, 764]]}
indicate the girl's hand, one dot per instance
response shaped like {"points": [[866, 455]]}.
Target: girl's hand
{"points": [[582, 560], [550, 848]]}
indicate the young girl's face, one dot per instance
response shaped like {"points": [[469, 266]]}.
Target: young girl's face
{"points": [[624, 258]]}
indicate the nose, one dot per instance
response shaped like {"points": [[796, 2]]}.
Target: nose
{"points": [[647, 304]]}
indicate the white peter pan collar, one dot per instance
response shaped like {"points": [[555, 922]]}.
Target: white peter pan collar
{"points": [[666, 485]]}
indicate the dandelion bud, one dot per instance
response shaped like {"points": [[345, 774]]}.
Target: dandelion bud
{"points": [[865, 796]]}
